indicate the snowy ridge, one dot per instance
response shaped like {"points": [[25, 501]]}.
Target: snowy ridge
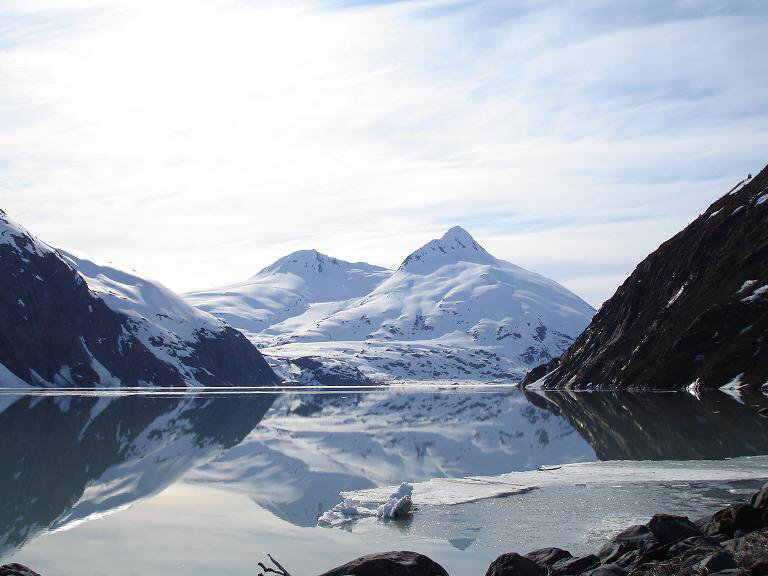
{"points": [[70, 322], [451, 310], [305, 284], [19, 238], [160, 319]]}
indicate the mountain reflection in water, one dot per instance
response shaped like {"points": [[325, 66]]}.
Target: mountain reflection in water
{"points": [[70, 458]]}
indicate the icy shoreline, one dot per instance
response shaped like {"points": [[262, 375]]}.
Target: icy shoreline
{"points": [[452, 491]]}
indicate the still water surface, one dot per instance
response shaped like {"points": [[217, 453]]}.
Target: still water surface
{"points": [[197, 484]]}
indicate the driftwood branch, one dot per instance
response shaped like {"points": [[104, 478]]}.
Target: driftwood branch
{"points": [[267, 570]]}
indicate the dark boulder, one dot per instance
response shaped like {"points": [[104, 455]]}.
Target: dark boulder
{"points": [[669, 528], [548, 556], [574, 566], [631, 539], [514, 565], [721, 522], [747, 518], [717, 562], [16, 570], [756, 566], [627, 560], [607, 570], [390, 564], [760, 499]]}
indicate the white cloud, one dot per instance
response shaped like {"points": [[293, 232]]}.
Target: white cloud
{"points": [[199, 141]]}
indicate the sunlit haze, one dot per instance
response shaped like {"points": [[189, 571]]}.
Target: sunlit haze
{"points": [[197, 141]]}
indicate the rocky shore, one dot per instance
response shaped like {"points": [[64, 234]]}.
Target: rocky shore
{"points": [[731, 542]]}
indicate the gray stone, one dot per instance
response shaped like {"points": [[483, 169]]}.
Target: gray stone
{"points": [[548, 556], [390, 564], [514, 565], [718, 562], [607, 570], [669, 528], [574, 566]]}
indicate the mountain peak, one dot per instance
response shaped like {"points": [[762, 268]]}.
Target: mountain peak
{"points": [[457, 232], [300, 262], [312, 262], [456, 245]]}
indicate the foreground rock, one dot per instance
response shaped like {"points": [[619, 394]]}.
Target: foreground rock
{"points": [[693, 313], [733, 540], [390, 564]]}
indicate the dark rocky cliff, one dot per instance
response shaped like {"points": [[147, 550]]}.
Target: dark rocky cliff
{"points": [[694, 312], [54, 331]]}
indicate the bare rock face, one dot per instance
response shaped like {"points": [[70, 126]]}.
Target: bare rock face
{"points": [[390, 564], [693, 313]]}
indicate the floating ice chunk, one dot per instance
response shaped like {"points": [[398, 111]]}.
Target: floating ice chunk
{"points": [[398, 505], [451, 491]]}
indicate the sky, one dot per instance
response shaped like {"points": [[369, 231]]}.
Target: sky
{"points": [[198, 141]]}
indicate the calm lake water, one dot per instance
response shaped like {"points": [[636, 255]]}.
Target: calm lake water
{"points": [[208, 483]]}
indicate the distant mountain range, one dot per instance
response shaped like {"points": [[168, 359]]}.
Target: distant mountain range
{"points": [[450, 311], [68, 322], [693, 314]]}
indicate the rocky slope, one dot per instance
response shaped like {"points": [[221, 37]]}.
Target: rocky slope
{"points": [[693, 314], [68, 322], [450, 311]]}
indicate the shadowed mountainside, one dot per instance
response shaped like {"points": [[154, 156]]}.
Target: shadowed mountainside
{"points": [[693, 313]]}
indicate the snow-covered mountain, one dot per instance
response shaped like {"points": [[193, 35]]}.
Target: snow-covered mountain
{"points": [[297, 285], [451, 310], [66, 321]]}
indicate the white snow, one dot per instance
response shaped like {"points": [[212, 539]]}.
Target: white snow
{"points": [[15, 235], [733, 388], [398, 505], [756, 294], [761, 199], [159, 318], [451, 491], [746, 286], [9, 380], [451, 310], [676, 296], [304, 284]]}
